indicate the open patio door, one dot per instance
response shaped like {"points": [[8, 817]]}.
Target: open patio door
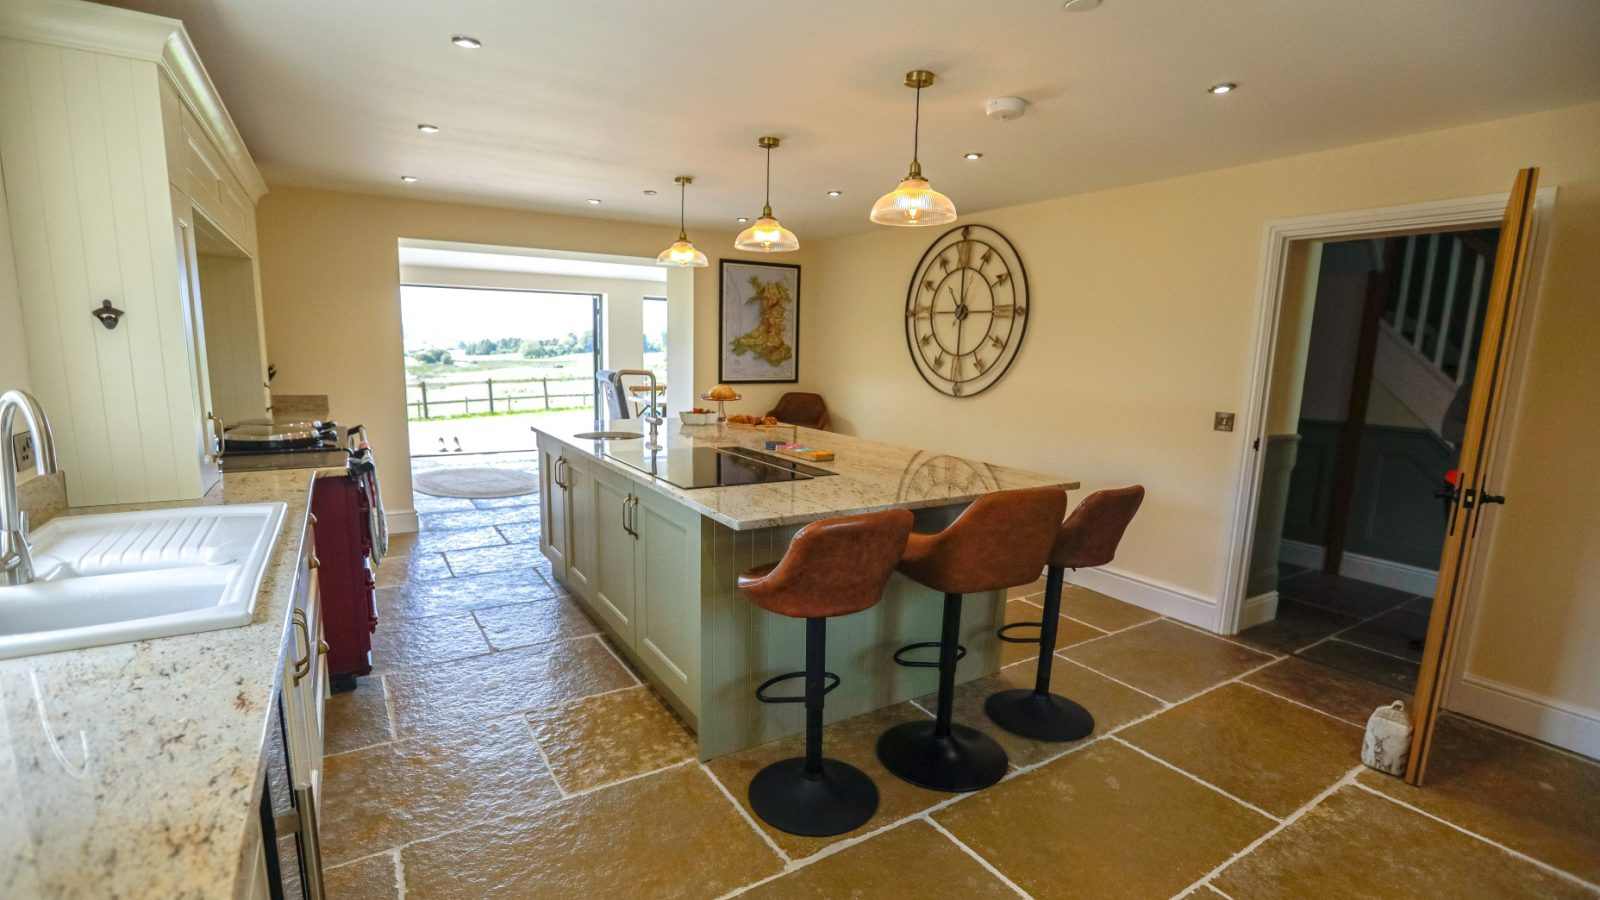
{"points": [[1473, 494]]}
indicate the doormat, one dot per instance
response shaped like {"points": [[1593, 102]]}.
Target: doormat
{"points": [[480, 482]]}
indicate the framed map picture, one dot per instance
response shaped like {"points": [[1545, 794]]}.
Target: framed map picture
{"points": [[759, 323]]}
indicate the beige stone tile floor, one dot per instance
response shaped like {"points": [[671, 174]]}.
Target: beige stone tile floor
{"points": [[503, 749]]}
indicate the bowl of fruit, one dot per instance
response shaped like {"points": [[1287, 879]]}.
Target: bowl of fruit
{"points": [[698, 416]]}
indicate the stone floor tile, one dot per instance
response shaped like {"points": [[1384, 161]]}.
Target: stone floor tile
{"points": [[855, 741], [521, 624], [599, 740], [511, 557], [672, 834], [1531, 797], [1111, 704], [358, 718], [912, 861], [1026, 590], [1344, 595], [1297, 625], [1102, 612], [372, 878], [1399, 632], [427, 503], [514, 681], [475, 518], [1355, 844], [457, 595], [1391, 672], [1068, 632], [410, 643], [406, 564], [1264, 750], [529, 500], [520, 532], [384, 796], [1104, 822], [1328, 689], [1166, 659], [458, 539]]}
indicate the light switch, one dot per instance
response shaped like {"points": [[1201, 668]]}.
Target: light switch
{"points": [[1223, 421]]}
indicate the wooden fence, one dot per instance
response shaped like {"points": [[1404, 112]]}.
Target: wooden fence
{"points": [[497, 396]]}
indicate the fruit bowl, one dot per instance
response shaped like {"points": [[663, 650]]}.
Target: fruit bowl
{"points": [[698, 417]]}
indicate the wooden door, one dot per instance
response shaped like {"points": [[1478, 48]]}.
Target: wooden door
{"points": [[1475, 496]]}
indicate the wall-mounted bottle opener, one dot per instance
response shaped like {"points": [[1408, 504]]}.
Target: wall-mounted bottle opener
{"points": [[107, 314]]}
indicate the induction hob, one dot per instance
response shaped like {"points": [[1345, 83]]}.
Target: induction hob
{"points": [[708, 467]]}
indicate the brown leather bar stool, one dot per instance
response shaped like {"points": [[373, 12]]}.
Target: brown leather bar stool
{"points": [[833, 567], [1088, 537], [1000, 541]]}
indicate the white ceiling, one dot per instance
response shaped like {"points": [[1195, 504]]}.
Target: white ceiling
{"points": [[575, 99]]}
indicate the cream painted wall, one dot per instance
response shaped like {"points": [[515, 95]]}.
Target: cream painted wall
{"points": [[622, 344], [330, 281], [13, 347], [1142, 317]]}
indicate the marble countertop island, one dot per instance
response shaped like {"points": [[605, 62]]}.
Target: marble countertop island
{"points": [[871, 476], [132, 770]]}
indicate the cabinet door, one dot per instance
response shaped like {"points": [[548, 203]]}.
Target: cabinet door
{"points": [[208, 428], [613, 597], [667, 582], [553, 510], [580, 527]]}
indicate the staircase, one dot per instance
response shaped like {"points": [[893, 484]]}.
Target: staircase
{"points": [[1429, 332]]}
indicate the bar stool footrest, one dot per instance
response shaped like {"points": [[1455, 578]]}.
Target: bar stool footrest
{"points": [[961, 652], [831, 680], [1001, 634]]}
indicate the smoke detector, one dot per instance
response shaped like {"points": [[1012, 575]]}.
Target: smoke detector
{"points": [[1005, 108]]}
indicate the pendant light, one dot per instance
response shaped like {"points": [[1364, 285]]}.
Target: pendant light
{"points": [[767, 235], [913, 202], [682, 253]]}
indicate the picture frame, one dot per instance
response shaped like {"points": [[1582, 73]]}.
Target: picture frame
{"points": [[758, 322]]}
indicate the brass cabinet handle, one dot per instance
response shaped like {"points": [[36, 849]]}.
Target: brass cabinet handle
{"points": [[322, 648], [302, 667], [313, 562], [312, 518]]}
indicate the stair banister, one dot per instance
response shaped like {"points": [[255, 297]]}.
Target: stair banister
{"points": [[1427, 291], [1449, 302]]}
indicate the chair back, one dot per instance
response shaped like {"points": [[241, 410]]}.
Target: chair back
{"points": [[832, 567], [612, 395], [1002, 540], [803, 409], [1089, 537]]}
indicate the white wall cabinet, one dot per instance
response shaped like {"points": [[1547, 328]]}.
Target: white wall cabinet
{"points": [[121, 167]]}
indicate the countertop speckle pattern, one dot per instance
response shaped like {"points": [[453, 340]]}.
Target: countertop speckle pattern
{"points": [[131, 770], [872, 476]]}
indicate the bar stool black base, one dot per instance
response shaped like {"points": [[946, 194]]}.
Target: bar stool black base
{"points": [[964, 760], [1042, 717], [841, 799]]}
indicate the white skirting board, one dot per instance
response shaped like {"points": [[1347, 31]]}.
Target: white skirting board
{"points": [[1542, 718], [1400, 576], [401, 521], [1151, 595], [1258, 609]]}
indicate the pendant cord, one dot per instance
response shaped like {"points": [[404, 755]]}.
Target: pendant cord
{"points": [[916, 129], [769, 177], [683, 192]]}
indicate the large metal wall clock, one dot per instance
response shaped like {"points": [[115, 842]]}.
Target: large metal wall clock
{"points": [[967, 310]]}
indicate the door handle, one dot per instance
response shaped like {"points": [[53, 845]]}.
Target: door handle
{"points": [[633, 516], [302, 667], [1491, 498], [627, 513]]}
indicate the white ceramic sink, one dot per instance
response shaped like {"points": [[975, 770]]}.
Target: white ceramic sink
{"points": [[121, 577]]}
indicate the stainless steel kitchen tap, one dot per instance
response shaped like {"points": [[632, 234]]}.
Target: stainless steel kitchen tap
{"points": [[16, 557], [651, 415]]}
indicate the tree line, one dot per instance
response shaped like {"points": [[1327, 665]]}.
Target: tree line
{"points": [[529, 349]]}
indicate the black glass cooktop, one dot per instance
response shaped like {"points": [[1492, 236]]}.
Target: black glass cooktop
{"points": [[706, 467]]}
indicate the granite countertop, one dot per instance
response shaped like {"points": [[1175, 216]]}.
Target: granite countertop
{"points": [[871, 476], [132, 770]]}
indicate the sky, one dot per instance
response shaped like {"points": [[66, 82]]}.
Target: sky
{"points": [[435, 316]]}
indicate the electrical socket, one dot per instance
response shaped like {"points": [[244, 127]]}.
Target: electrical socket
{"points": [[23, 445]]}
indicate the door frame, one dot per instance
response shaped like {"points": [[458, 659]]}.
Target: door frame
{"points": [[1388, 221]]}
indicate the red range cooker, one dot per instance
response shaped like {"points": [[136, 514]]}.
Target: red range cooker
{"points": [[348, 525]]}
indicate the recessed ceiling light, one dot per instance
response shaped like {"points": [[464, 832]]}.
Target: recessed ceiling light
{"points": [[649, 193], [973, 155], [742, 219], [425, 128], [470, 43], [835, 193], [1223, 88], [408, 179], [594, 201]]}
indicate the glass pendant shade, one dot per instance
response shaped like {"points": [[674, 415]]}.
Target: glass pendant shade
{"points": [[913, 202], [682, 253], [767, 235]]}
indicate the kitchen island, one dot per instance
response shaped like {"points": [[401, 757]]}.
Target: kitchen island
{"points": [[655, 561]]}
